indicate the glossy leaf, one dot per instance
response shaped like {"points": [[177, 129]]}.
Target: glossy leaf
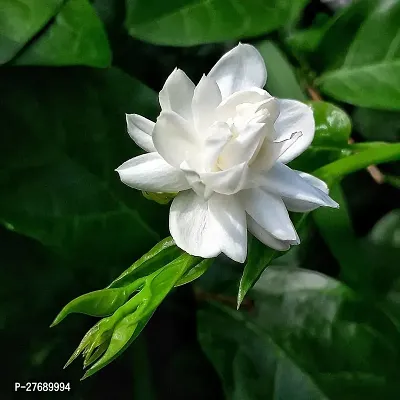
{"points": [[370, 73], [282, 81], [130, 319], [188, 22], [99, 303], [308, 337], [75, 37], [195, 272], [161, 254], [332, 131], [65, 135], [20, 21]]}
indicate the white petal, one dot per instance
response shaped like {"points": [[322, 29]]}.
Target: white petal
{"points": [[296, 205], [227, 108], [206, 99], [313, 180], [219, 134], [285, 182], [194, 180], [174, 138], [151, 173], [243, 148], [177, 94], [294, 117], [240, 69], [270, 151], [263, 236], [140, 130], [269, 211], [230, 221], [229, 181], [192, 227]]}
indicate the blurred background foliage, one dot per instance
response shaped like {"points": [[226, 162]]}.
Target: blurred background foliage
{"points": [[323, 321]]}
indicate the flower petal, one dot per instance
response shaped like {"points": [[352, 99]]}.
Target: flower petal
{"points": [[269, 211], [242, 149], [151, 173], [192, 226], [294, 117], [229, 181], [227, 108], [140, 130], [263, 236], [313, 180], [206, 99], [219, 134], [240, 69], [270, 151], [285, 182], [230, 221], [174, 138], [177, 94], [296, 205]]}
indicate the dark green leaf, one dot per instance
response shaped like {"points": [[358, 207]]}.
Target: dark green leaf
{"points": [[75, 37], [336, 228], [282, 81], [20, 20], [65, 134], [191, 22], [308, 337], [338, 35], [370, 73], [377, 124]]}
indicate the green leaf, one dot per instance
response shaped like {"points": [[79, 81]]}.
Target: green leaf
{"points": [[191, 22], [99, 303], [336, 228], [259, 258], [308, 337], [281, 81], [130, 319], [340, 168], [65, 135], [338, 35], [162, 253], [332, 131], [195, 272], [20, 21], [75, 37], [370, 73], [377, 124]]}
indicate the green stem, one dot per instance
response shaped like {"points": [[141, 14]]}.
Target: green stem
{"points": [[356, 162]]}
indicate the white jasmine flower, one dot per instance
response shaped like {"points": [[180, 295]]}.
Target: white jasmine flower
{"points": [[224, 145]]}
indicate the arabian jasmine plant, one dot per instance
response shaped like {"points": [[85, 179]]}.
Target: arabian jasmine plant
{"points": [[209, 191], [220, 151]]}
